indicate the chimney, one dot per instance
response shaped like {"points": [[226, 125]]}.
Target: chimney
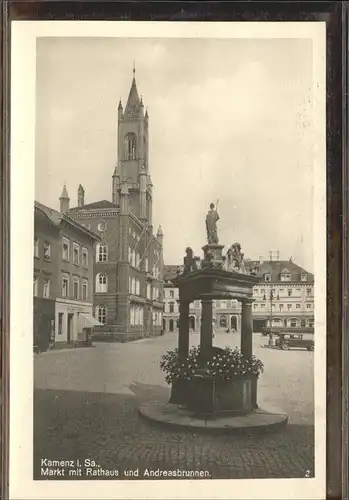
{"points": [[261, 260], [81, 196]]}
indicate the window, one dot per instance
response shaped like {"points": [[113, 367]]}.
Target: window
{"points": [[84, 257], [138, 259], [310, 323], [308, 291], [171, 306], [131, 143], [46, 293], [293, 323], [101, 252], [267, 277], [130, 255], [76, 289], [262, 291], [35, 286], [148, 291], [65, 286], [101, 283], [223, 304], [308, 306], [65, 249], [101, 312], [285, 277], [84, 290], [281, 306], [255, 306], [146, 264], [298, 306], [172, 296], [47, 250], [138, 286], [133, 258], [60, 323], [133, 286], [304, 277], [262, 306], [36, 247], [289, 307], [289, 292], [302, 323], [76, 252]]}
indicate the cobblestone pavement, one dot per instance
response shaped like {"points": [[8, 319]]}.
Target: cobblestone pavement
{"points": [[86, 407]]}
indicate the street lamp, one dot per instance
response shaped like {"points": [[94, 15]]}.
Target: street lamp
{"points": [[271, 297]]}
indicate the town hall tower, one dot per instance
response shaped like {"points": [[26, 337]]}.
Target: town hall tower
{"points": [[133, 153]]}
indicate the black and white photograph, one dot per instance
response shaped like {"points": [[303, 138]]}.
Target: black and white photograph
{"points": [[170, 189]]}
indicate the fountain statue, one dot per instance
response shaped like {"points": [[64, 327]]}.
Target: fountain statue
{"points": [[211, 225]]}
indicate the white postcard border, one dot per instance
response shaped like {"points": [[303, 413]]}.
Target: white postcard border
{"points": [[23, 70]]}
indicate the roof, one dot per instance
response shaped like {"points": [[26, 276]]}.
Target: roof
{"points": [[277, 267], [51, 214], [170, 272], [133, 100], [96, 205], [64, 192], [57, 217]]}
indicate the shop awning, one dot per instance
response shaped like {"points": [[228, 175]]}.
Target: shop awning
{"points": [[86, 320]]}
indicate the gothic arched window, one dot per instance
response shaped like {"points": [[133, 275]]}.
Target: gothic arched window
{"points": [[131, 146]]}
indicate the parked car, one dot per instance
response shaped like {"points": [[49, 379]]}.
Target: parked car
{"points": [[287, 340]]}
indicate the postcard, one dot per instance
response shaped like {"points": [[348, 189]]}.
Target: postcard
{"points": [[168, 260]]}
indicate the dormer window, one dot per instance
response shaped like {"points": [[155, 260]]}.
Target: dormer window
{"points": [[304, 277], [267, 277], [285, 275]]}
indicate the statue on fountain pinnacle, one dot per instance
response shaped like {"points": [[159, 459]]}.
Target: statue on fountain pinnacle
{"points": [[211, 225]]}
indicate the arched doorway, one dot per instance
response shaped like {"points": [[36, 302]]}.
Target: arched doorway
{"points": [[192, 322], [223, 322], [171, 325], [234, 323], [164, 325]]}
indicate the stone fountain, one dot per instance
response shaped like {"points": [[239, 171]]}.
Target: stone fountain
{"points": [[202, 402]]}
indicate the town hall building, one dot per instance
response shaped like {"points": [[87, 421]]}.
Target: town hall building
{"points": [[128, 271]]}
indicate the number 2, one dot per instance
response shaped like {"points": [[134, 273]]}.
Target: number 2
{"points": [[307, 473]]}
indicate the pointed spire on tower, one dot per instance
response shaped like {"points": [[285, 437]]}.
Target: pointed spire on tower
{"points": [[116, 170], [133, 100], [64, 200], [64, 192], [120, 104]]}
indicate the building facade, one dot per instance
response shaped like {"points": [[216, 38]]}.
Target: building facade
{"points": [[128, 281], [284, 298], [63, 278]]}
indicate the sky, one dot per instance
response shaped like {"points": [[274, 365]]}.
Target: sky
{"points": [[229, 120]]}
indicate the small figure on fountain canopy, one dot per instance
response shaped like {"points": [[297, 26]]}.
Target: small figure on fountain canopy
{"points": [[189, 261], [235, 259]]}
